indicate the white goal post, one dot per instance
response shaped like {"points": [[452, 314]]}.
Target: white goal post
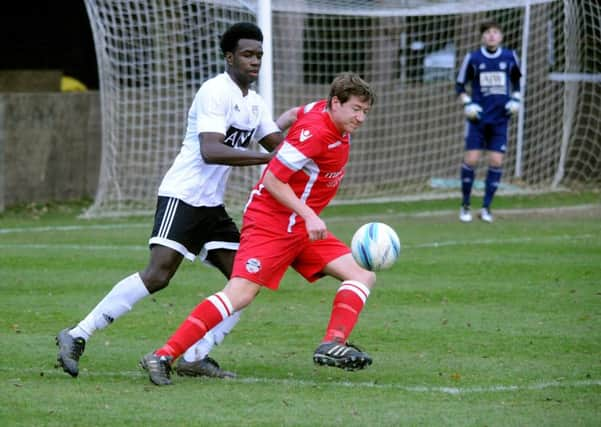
{"points": [[153, 55]]}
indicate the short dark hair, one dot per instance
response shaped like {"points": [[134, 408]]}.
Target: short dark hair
{"points": [[487, 25], [241, 30], [350, 84]]}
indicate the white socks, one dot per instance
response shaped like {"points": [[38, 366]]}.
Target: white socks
{"points": [[212, 338], [114, 305], [121, 299]]}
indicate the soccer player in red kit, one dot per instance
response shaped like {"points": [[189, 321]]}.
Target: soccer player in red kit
{"points": [[281, 228]]}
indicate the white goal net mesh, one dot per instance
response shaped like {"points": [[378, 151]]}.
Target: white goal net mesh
{"points": [[153, 56]]}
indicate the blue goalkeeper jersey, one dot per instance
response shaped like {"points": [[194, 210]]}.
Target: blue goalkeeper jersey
{"points": [[493, 78]]}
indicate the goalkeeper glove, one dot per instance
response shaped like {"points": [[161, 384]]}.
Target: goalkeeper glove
{"points": [[471, 109], [513, 105]]}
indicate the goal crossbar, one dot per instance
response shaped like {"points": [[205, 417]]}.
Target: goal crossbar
{"points": [[153, 57]]}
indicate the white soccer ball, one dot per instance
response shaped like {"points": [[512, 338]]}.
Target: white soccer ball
{"points": [[375, 246]]}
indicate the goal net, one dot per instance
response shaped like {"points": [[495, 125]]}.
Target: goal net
{"points": [[154, 55]]}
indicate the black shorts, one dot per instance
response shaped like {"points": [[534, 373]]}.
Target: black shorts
{"points": [[193, 231]]}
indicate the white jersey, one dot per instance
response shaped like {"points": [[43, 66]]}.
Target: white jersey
{"points": [[220, 107]]}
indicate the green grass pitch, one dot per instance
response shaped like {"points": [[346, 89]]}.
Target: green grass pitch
{"points": [[476, 325]]}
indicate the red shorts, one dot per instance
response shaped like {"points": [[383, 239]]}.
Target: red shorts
{"points": [[264, 255]]}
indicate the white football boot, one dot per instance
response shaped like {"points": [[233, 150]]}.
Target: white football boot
{"points": [[485, 215], [464, 214]]}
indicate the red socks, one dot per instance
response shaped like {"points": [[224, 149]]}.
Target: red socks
{"points": [[347, 306], [204, 317]]}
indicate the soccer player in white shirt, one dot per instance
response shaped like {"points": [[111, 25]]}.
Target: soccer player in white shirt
{"points": [[282, 228], [190, 218]]}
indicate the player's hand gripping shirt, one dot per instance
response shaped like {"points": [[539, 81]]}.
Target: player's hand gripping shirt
{"points": [[493, 77], [311, 160], [219, 106]]}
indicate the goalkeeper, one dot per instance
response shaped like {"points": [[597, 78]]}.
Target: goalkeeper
{"points": [[190, 219], [493, 73]]}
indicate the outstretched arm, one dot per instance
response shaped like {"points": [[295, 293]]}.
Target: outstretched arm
{"points": [[287, 118], [214, 151], [271, 141]]}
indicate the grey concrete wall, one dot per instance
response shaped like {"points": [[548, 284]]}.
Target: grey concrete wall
{"points": [[28, 81], [50, 145], [2, 166]]}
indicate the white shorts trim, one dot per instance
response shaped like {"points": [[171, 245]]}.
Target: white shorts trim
{"points": [[209, 246], [178, 247]]}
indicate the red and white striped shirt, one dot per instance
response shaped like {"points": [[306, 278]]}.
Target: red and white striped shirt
{"points": [[311, 160]]}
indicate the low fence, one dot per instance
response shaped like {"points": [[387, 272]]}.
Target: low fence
{"points": [[50, 146]]}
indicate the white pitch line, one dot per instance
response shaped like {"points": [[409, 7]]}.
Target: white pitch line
{"points": [[343, 218], [542, 385], [17, 230], [426, 389], [441, 244], [592, 209], [501, 241], [48, 246]]}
